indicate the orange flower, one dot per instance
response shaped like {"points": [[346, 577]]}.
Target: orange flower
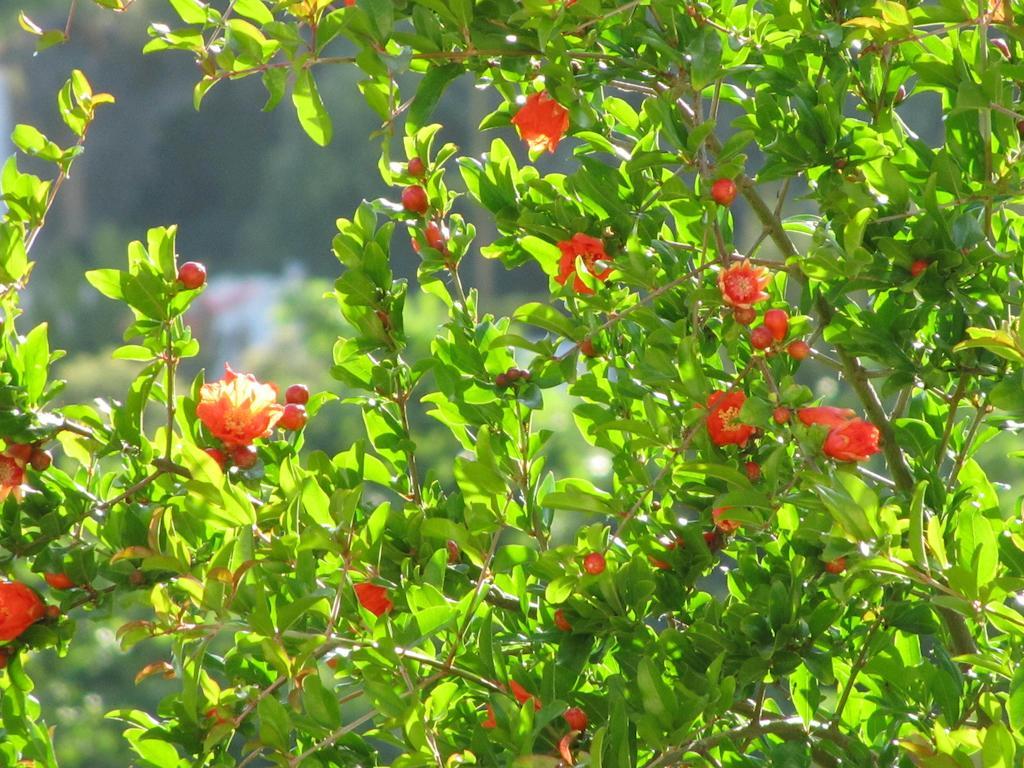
{"points": [[742, 285], [373, 598], [724, 427], [541, 122], [855, 440], [20, 608], [724, 524], [592, 251], [238, 409], [825, 414], [12, 475]]}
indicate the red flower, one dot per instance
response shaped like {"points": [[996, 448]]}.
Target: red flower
{"points": [[855, 440], [522, 695], [742, 284], [592, 251], [490, 722], [20, 608], [373, 598], [12, 475], [238, 409], [724, 524], [723, 426], [825, 414], [541, 122]]}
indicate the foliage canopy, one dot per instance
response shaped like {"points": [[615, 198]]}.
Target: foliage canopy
{"points": [[751, 585]]}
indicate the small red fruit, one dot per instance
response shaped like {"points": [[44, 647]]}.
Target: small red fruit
{"points": [[723, 191], [58, 580], [297, 393], [416, 168], [192, 275], [454, 555], [576, 718], [761, 337], [490, 721], [753, 470], [245, 456], [918, 267], [901, 95], [594, 563], [514, 374], [414, 199], [777, 321], [435, 237], [744, 315], [1020, 127], [836, 566], [798, 350], [840, 163], [53, 612], [293, 417], [780, 415], [19, 451], [561, 622], [587, 348], [501, 380], [218, 456], [41, 460], [137, 578]]}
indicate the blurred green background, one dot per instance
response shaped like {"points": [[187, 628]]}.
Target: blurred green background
{"points": [[256, 202]]}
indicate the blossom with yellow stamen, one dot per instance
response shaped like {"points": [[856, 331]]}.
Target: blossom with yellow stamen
{"points": [[724, 426], [238, 409]]}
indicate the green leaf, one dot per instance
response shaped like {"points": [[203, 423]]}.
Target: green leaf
{"points": [[309, 108], [547, 317], [275, 724], [577, 501], [846, 512], [1000, 343], [191, 11], [35, 355], [429, 92], [803, 688], [255, 10], [107, 281], [1015, 701]]}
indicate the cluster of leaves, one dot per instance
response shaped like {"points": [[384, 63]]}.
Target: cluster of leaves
{"points": [[694, 643]]}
